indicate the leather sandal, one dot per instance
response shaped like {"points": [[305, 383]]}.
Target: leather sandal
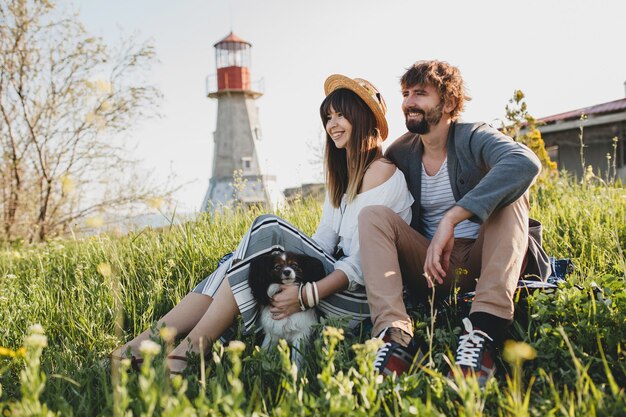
{"points": [[135, 362], [177, 358]]}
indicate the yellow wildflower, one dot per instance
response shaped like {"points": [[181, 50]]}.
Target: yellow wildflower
{"points": [[7, 352], [149, 348], [518, 351], [333, 332], [236, 346], [168, 334]]}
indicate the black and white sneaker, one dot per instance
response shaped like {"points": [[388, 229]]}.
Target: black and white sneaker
{"points": [[392, 356], [475, 354]]}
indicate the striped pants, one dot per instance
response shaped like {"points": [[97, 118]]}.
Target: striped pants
{"points": [[268, 233]]}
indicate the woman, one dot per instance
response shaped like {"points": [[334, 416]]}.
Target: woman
{"points": [[357, 175]]}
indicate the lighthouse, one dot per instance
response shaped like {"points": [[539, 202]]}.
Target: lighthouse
{"points": [[238, 173]]}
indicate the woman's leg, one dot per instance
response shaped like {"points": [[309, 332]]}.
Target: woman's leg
{"points": [[183, 317], [187, 313], [213, 323]]}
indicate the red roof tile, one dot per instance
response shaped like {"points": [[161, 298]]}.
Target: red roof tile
{"points": [[609, 107], [233, 38]]}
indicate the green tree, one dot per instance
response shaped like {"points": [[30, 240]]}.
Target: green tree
{"points": [[66, 98], [522, 127]]}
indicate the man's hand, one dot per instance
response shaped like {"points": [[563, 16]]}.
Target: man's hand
{"points": [[438, 253], [285, 302], [437, 259]]}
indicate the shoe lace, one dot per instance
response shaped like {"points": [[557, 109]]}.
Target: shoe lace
{"points": [[383, 350], [381, 355], [470, 345]]}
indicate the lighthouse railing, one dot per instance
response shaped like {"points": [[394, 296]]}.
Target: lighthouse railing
{"points": [[211, 87]]}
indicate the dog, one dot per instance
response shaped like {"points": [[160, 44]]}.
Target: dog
{"points": [[267, 274]]}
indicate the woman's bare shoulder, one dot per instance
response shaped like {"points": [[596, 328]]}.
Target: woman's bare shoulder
{"points": [[377, 173]]}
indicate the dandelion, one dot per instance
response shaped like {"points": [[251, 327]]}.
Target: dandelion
{"points": [[517, 352], [7, 352], [149, 348], [235, 346], [36, 340], [37, 329], [104, 269], [168, 334]]}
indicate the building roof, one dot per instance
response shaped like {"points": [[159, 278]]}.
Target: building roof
{"points": [[232, 38], [614, 106]]}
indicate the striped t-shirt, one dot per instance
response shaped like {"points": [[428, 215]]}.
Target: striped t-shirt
{"points": [[436, 200]]}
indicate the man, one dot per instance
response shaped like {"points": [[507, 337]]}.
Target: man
{"points": [[469, 220]]}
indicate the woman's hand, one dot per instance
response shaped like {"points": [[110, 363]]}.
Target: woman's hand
{"points": [[285, 302]]}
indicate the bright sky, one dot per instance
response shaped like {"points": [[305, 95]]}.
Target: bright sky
{"points": [[564, 54]]}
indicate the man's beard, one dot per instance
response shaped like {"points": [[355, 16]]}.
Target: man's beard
{"points": [[429, 119]]}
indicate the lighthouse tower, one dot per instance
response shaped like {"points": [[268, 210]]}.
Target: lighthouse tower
{"points": [[238, 176]]}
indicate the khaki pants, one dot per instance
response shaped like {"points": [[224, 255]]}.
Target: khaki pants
{"points": [[393, 253]]}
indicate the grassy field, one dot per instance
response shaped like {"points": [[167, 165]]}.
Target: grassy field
{"points": [[87, 297]]}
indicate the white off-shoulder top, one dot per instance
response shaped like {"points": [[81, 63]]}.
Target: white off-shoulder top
{"points": [[338, 227]]}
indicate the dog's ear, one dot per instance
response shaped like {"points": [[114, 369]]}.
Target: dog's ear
{"points": [[312, 268], [259, 277]]}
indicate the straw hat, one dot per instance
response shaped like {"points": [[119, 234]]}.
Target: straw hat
{"points": [[364, 89]]}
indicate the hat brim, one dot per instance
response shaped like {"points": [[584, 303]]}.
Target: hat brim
{"points": [[337, 81]]}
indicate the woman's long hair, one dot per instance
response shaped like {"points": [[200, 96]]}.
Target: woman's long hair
{"points": [[364, 145]]}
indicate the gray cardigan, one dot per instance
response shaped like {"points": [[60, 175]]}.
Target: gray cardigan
{"points": [[487, 169]]}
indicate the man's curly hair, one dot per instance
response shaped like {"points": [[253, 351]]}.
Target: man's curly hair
{"points": [[444, 77]]}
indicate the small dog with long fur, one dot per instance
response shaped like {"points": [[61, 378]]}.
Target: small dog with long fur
{"points": [[267, 274]]}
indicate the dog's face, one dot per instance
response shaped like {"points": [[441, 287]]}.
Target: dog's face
{"points": [[285, 269], [282, 268]]}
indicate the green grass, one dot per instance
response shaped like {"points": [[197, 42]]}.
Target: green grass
{"points": [[579, 333]]}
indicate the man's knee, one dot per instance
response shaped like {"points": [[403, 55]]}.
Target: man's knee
{"points": [[374, 215]]}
